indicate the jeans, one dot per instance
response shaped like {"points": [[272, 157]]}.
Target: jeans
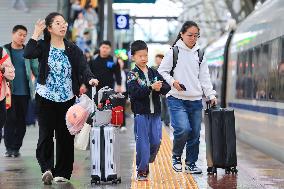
{"points": [[148, 136], [186, 120]]}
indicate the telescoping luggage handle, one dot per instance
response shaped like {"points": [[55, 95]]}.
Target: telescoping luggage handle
{"points": [[94, 91], [94, 107], [208, 105]]}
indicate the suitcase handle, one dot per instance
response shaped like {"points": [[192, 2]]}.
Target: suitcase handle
{"points": [[94, 91], [208, 105]]}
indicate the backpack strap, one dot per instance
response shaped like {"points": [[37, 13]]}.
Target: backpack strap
{"points": [[200, 56], [175, 58]]}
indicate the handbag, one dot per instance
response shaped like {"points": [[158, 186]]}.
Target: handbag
{"points": [[82, 139]]}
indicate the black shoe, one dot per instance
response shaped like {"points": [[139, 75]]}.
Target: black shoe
{"points": [[16, 153], [8, 153]]}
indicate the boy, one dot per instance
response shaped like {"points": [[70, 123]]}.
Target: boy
{"points": [[145, 86]]}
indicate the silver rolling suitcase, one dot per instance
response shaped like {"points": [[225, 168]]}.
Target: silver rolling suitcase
{"points": [[105, 156]]}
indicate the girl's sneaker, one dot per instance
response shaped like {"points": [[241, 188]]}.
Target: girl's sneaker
{"points": [[192, 169]]}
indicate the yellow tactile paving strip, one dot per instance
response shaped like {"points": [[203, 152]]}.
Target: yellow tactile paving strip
{"points": [[162, 176]]}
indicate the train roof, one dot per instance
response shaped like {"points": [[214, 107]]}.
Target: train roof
{"points": [[262, 25]]}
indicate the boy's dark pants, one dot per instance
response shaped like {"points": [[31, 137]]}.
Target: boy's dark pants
{"points": [[148, 135], [51, 116], [3, 115]]}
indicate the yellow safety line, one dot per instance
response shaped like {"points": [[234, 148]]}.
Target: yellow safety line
{"points": [[162, 176]]}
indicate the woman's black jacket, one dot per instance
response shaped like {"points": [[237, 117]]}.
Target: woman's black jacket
{"points": [[81, 72]]}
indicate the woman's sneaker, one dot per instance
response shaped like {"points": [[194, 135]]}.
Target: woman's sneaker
{"points": [[192, 169], [177, 166], [47, 177], [60, 179]]}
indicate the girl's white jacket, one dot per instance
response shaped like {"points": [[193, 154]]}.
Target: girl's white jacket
{"points": [[187, 72]]}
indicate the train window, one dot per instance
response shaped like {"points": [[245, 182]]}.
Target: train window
{"points": [[255, 66], [241, 72], [272, 70], [261, 72], [248, 82], [280, 88]]}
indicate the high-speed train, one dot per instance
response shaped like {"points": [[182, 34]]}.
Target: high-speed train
{"points": [[247, 71]]}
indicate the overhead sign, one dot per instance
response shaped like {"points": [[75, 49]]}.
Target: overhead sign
{"points": [[134, 1], [122, 21]]}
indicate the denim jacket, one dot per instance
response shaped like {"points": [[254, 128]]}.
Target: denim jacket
{"points": [[139, 91]]}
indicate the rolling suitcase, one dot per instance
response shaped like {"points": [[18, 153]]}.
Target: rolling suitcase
{"points": [[220, 138], [105, 157]]}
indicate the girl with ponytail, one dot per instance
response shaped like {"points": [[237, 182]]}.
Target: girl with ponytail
{"points": [[189, 79]]}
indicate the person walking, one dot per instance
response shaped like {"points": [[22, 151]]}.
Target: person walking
{"points": [[190, 79], [145, 86], [105, 68], [22, 89], [7, 71], [61, 66]]}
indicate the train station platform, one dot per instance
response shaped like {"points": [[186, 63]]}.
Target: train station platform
{"points": [[256, 170]]}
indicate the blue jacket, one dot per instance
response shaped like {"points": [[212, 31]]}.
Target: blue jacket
{"points": [[139, 92]]}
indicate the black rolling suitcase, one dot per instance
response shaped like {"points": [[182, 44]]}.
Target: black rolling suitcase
{"points": [[220, 138]]}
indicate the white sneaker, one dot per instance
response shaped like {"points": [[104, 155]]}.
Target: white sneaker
{"points": [[47, 177], [192, 169], [60, 179]]}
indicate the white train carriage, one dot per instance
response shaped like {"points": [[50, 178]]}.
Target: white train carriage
{"points": [[254, 84]]}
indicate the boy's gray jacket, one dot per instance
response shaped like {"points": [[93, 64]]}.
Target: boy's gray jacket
{"points": [[187, 71]]}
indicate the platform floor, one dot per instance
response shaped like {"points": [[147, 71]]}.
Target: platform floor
{"points": [[256, 170]]}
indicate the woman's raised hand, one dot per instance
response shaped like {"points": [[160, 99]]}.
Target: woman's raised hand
{"points": [[39, 27]]}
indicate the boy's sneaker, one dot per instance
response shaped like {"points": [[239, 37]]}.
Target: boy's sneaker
{"points": [[177, 166], [142, 176], [192, 169], [47, 177]]}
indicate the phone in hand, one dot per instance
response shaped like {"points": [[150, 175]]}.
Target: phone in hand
{"points": [[182, 86]]}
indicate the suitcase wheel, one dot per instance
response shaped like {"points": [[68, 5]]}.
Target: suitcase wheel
{"points": [[211, 170], [116, 181], [95, 182], [228, 170], [234, 170]]}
